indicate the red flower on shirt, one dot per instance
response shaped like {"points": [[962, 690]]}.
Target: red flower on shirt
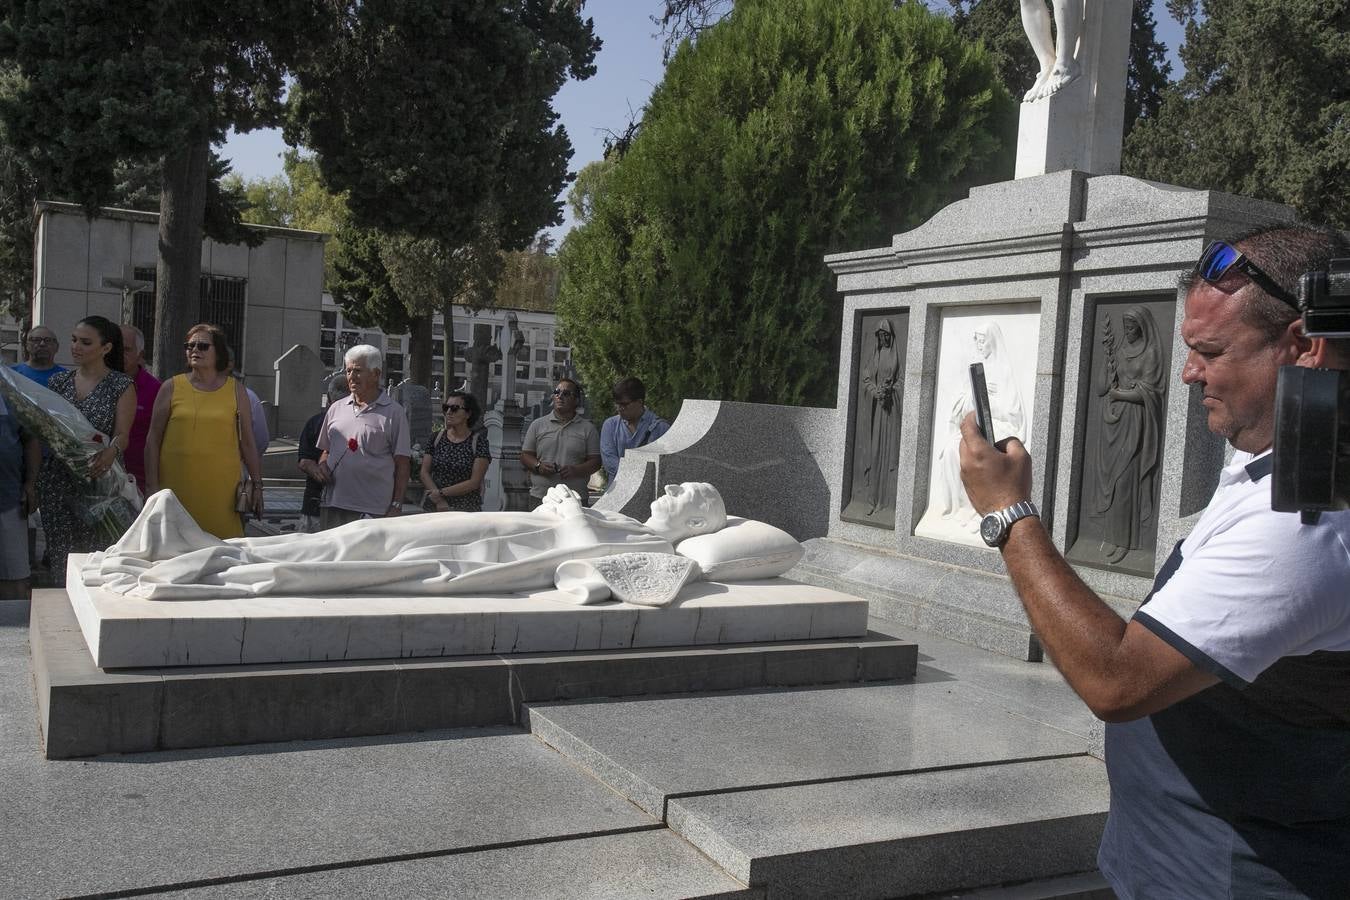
{"points": [[351, 444], [98, 438]]}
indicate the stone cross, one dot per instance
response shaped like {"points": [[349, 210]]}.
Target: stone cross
{"points": [[513, 345], [480, 357], [416, 402], [1073, 116], [128, 284]]}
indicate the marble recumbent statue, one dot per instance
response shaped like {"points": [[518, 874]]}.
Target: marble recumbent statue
{"points": [[591, 555]]}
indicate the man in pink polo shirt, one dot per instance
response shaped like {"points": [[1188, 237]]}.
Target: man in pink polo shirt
{"points": [[364, 439]]}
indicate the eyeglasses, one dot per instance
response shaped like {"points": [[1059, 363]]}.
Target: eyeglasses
{"points": [[1220, 258], [453, 407], [42, 340], [623, 404], [562, 393], [199, 346]]}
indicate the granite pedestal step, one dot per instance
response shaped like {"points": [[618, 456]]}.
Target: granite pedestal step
{"points": [[890, 790], [905, 835], [86, 710]]}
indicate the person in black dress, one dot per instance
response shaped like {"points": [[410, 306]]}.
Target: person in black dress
{"points": [[453, 469]]}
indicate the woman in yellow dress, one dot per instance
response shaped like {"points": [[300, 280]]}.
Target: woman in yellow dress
{"points": [[200, 431]]}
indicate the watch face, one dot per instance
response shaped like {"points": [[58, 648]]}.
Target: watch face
{"points": [[991, 529]]}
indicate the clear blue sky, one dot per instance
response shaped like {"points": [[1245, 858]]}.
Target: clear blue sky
{"points": [[628, 67]]}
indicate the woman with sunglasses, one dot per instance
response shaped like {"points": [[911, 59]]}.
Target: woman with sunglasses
{"points": [[453, 470], [100, 390], [198, 438]]}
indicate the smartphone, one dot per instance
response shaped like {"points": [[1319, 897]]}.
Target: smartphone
{"points": [[979, 398]]}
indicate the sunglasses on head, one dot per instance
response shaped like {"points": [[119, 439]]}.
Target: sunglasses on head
{"points": [[453, 407], [199, 346], [1221, 258]]}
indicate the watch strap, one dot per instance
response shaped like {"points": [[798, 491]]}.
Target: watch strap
{"points": [[1005, 518]]}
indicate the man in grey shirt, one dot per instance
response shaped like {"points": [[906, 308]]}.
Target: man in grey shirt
{"points": [[562, 447]]}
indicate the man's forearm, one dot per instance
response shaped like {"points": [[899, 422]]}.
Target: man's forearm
{"points": [[1080, 632], [1121, 670]]}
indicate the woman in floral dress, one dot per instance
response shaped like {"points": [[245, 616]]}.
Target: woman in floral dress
{"points": [[106, 397], [453, 470]]}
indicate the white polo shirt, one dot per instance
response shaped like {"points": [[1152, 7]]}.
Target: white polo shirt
{"points": [[1242, 789], [1256, 585]]}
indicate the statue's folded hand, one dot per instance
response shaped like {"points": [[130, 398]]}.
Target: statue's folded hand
{"points": [[560, 495]]}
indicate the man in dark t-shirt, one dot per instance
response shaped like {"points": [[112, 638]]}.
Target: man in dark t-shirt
{"points": [[309, 454]]}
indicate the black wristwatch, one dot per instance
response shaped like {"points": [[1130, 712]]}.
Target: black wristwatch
{"points": [[995, 526]]}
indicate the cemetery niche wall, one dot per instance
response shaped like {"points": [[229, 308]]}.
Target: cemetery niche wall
{"points": [[874, 418], [1065, 286]]}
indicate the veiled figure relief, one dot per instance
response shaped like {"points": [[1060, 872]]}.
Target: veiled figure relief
{"points": [[1132, 382], [878, 386], [948, 496], [883, 381]]}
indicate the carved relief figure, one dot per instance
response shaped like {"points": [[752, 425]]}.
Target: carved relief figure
{"points": [[1129, 447], [1010, 418], [882, 379], [1059, 62]]}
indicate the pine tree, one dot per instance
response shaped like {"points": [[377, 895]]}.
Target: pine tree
{"points": [[1263, 109], [786, 131]]}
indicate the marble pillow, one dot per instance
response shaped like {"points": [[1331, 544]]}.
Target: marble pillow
{"points": [[744, 550]]}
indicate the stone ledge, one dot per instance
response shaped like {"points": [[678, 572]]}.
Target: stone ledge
{"points": [[962, 605], [902, 835], [85, 710]]}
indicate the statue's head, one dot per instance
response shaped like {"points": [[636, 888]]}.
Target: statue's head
{"points": [[687, 509], [885, 333]]}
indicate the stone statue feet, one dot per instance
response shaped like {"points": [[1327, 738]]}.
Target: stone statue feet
{"points": [[1034, 93], [1052, 82], [1116, 554]]}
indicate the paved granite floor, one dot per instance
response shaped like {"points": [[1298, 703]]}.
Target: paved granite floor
{"points": [[492, 812]]}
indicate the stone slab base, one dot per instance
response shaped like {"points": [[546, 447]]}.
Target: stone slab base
{"points": [[86, 710], [905, 835], [126, 631], [964, 605]]}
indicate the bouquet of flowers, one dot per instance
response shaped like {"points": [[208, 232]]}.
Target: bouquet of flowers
{"points": [[111, 501]]}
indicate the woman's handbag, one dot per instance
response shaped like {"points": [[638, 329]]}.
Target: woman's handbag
{"points": [[243, 496]]}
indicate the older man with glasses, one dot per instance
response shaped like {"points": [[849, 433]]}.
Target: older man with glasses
{"points": [[39, 347], [364, 445], [1228, 691], [561, 448]]}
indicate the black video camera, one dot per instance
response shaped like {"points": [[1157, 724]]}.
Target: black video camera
{"points": [[1312, 407]]}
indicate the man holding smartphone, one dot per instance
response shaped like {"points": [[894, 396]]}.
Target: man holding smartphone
{"points": [[1228, 692], [20, 459]]}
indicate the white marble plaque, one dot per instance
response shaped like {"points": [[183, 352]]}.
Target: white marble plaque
{"points": [[1006, 338]]}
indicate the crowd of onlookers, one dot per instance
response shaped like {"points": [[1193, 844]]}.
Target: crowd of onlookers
{"points": [[202, 434]]}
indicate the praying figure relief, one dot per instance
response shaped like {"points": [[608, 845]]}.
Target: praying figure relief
{"points": [[1058, 58], [1132, 381], [948, 496]]}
